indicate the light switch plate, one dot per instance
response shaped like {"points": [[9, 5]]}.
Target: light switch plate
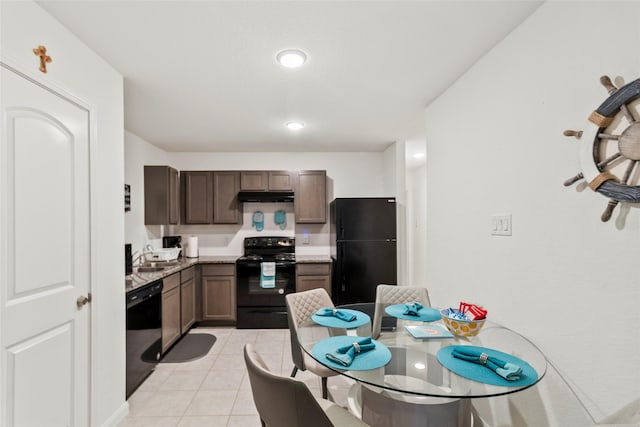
{"points": [[501, 225]]}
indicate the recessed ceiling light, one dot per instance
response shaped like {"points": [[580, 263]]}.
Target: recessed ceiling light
{"points": [[291, 58], [418, 155], [294, 125]]}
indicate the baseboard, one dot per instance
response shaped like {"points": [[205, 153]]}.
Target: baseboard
{"points": [[627, 415], [117, 416]]}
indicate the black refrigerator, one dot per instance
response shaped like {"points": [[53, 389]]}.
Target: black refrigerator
{"points": [[363, 247]]}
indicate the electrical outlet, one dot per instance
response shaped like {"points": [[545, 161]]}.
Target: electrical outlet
{"points": [[501, 225]]}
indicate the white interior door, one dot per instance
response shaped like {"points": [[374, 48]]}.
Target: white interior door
{"points": [[45, 256]]}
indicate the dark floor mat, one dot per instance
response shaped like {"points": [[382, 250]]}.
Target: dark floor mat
{"points": [[190, 347]]}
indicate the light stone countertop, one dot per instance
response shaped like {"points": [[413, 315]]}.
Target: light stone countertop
{"points": [[313, 258], [217, 259], [137, 280]]}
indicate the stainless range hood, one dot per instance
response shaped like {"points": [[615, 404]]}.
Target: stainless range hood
{"points": [[265, 196]]}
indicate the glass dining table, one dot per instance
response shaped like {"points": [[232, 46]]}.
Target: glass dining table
{"points": [[414, 387]]}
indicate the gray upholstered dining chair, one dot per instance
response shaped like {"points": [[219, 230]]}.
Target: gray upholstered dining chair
{"points": [[387, 295], [285, 402], [300, 308]]}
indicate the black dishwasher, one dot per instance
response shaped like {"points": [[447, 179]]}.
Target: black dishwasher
{"points": [[144, 333]]}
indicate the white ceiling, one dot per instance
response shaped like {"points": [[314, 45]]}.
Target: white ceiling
{"points": [[202, 75]]}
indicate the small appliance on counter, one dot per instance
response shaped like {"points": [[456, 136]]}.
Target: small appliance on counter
{"points": [[172, 242]]}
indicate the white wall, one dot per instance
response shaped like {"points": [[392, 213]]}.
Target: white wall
{"points": [[564, 279], [227, 239], [137, 154], [80, 72], [344, 180], [416, 225], [395, 184], [392, 169], [351, 174]]}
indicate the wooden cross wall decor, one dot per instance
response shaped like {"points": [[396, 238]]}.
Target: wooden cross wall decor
{"points": [[41, 51]]}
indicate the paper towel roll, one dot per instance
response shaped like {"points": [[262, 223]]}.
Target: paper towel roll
{"points": [[192, 247]]}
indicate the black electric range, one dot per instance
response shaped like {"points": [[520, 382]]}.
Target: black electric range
{"points": [[261, 298]]}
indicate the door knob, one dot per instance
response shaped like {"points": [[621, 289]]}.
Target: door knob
{"points": [[82, 300]]}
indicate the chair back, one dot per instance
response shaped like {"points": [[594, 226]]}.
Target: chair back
{"points": [[369, 309], [300, 308], [304, 304], [281, 401], [387, 295]]}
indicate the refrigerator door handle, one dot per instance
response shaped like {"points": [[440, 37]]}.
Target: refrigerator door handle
{"points": [[343, 282]]}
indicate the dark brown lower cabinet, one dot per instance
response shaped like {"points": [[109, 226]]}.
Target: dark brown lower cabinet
{"points": [[312, 276], [171, 327], [219, 293], [187, 299]]}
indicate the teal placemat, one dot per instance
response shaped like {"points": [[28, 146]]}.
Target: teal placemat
{"points": [[480, 373], [334, 322], [426, 314], [372, 359]]}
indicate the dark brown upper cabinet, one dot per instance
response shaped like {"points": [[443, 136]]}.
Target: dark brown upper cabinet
{"points": [[211, 197], [161, 195], [254, 180], [226, 207], [281, 181], [197, 190], [266, 181], [311, 197]]}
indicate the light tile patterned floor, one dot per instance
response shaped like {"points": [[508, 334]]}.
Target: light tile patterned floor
{"points": [[214, 390]]}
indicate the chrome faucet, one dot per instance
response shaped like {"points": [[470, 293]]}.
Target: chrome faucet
{"points": [[139, 258]]}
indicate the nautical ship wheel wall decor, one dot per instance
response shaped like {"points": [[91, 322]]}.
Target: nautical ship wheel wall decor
{"points": [[610, 158]]}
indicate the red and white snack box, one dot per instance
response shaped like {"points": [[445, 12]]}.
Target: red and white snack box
{"points": [[473, 311]]}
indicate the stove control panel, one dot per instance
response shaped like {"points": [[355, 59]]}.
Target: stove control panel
{"points": [[269, 242]]}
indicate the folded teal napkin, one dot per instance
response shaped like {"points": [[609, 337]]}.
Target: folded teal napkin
{"points": [[412, 308], [344, 355], [342, 315], [508, 371]]}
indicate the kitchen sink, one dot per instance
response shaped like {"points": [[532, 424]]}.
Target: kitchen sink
{"points": [[165, 264], [149, 269]]}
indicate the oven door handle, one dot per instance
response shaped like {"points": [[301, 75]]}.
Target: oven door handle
{"points": [[257, 264]]}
